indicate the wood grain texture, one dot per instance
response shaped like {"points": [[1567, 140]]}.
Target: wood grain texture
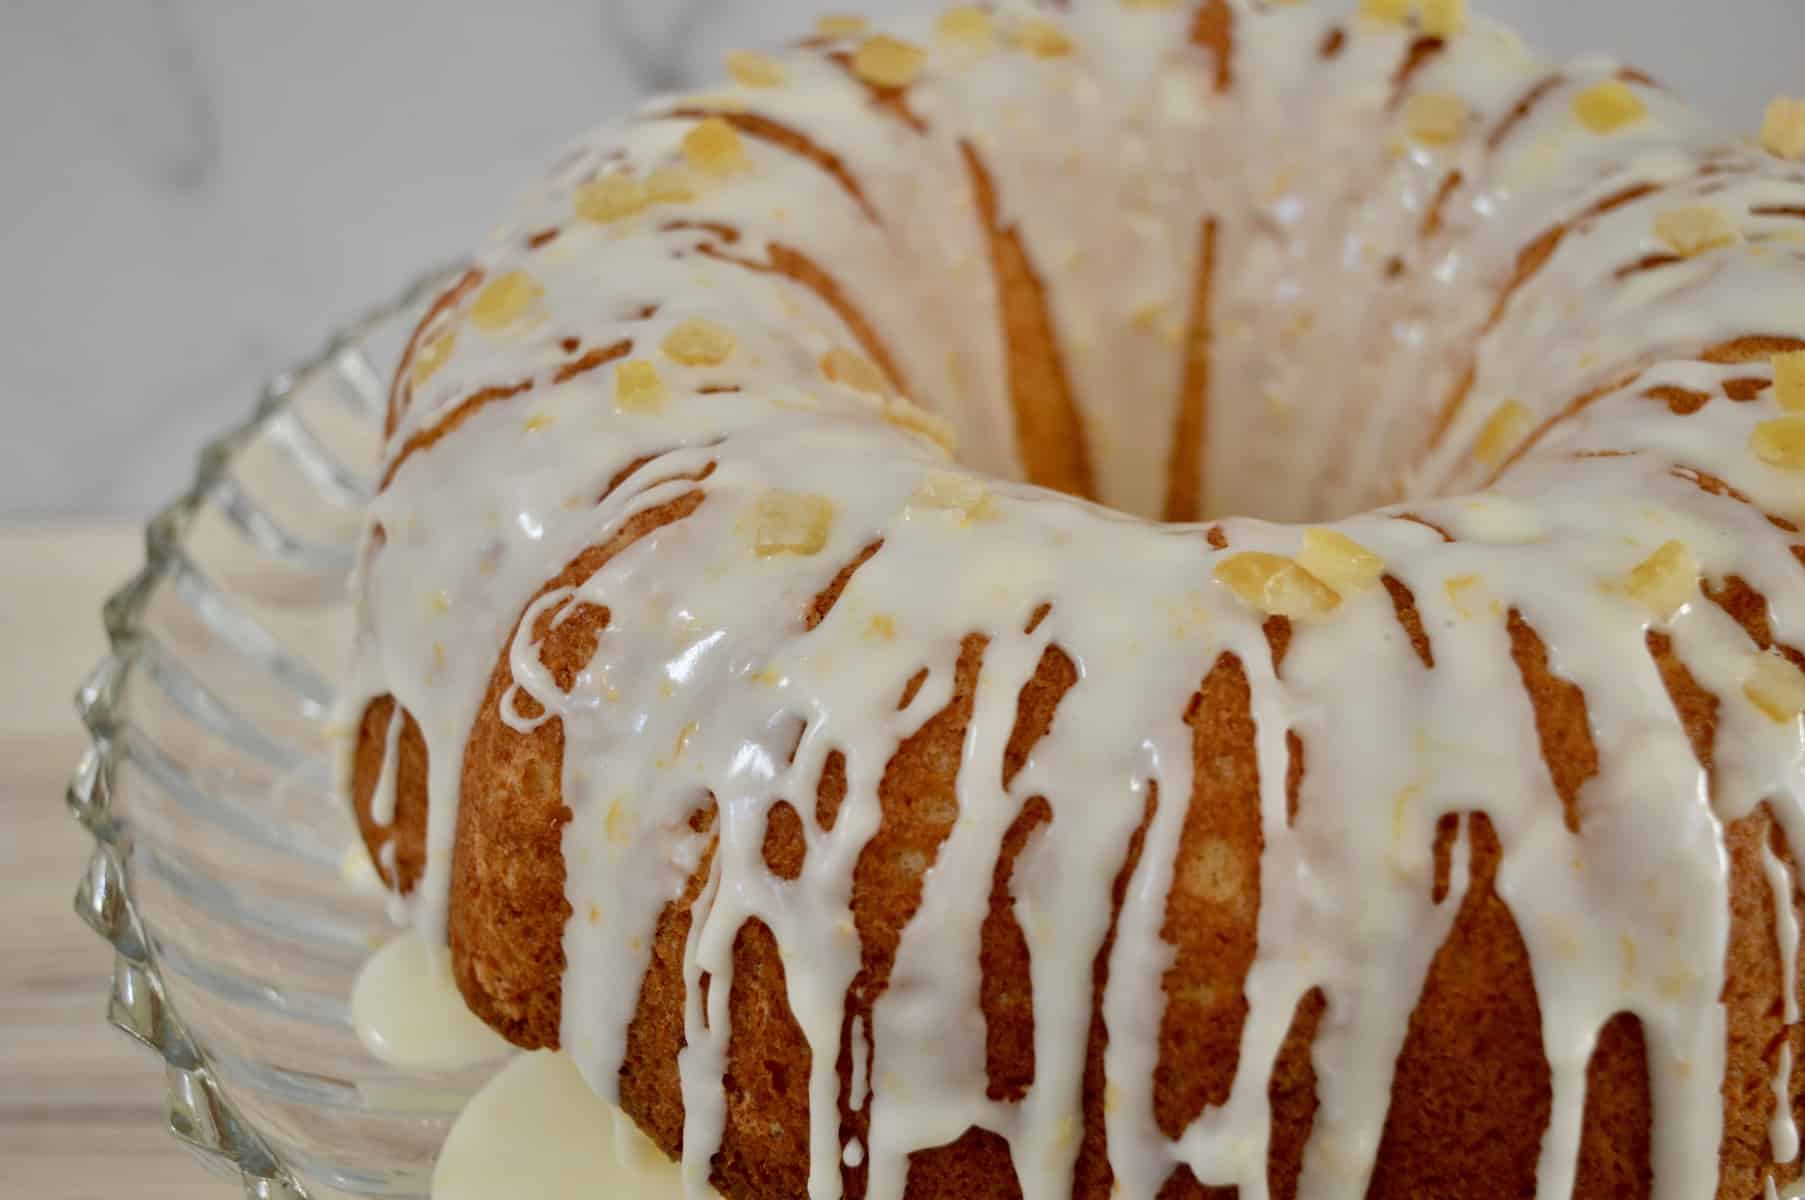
{"points": [[81, 1105]]}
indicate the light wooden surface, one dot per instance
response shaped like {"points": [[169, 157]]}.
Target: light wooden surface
{"points": [[81, 1105]]}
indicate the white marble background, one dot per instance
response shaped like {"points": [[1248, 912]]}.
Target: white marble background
{"points": [[193, 192]]}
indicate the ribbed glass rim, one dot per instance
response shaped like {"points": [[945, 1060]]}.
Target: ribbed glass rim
{"points": [[201, 1113]]}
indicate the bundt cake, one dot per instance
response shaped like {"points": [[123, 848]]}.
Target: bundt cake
{"points": [[738, 693]]}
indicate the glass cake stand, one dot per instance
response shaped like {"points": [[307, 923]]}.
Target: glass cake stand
{"points": [[208, 786]]}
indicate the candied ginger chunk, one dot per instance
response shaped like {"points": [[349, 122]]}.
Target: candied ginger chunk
{"points": [[714, 147], [968, 25], [638, 387], [1339, 561], [1502, 432], [1665, 581], [1775, 686], [1444, 18], [1780, 443], [1435, 118], [786, 522], [432, 355], [1608, 106], [752, 69], [699, 342], [1783, 127], [887, 62], [611, 198], [841, 25], [1696, 229], [953, 492], [1276, 585], [1789, 380], [504, 301], [1385, 12], [1043, 38], [906, 415], [855, 371]]}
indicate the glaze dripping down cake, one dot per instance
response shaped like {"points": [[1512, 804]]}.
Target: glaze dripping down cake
{"points": [[805, 669]]}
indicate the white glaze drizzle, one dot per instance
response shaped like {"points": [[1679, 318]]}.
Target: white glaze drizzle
{"points": [[706, 654], [1782, 1131], [384, 798], [1786, 926]]}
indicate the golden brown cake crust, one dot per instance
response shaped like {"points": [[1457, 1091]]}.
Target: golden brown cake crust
{"points": [[1471, 1079], [508, 910], [408, 830], [1471, 1096]]}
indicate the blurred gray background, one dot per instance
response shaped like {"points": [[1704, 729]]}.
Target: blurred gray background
{"points": [[193, 192]]}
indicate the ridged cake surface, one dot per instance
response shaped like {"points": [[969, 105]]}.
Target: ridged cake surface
{"points": [[739, 694]]}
